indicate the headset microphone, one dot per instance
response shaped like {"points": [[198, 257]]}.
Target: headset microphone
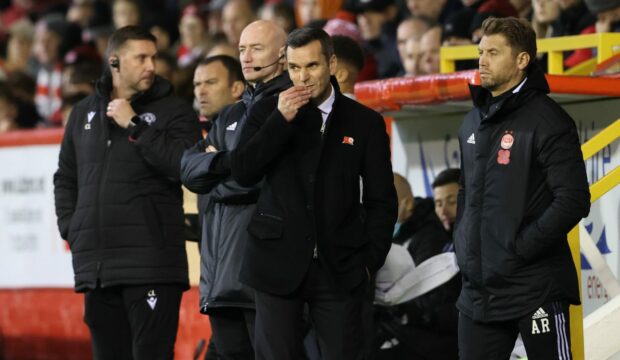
{"points": [[259, 68]]}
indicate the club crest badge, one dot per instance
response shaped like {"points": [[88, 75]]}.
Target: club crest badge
{"points": [[507, 141]]}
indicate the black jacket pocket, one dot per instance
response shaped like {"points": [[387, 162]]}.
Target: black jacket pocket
{"points": [[266, 226]]}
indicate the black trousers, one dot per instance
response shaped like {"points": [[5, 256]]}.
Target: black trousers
{"points": [[133, 322], [545, 333], [335, 315], [232, 331]]}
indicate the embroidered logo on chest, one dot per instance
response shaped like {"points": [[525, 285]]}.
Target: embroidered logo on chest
{"points": [[148, 118]]}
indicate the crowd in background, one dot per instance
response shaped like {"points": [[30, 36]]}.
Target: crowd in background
{"points": [[52, 51]]}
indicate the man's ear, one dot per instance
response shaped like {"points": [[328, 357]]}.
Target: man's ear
{"points": [[523, 60], [333, 64], [237, 89], [282, 55], [342, 74]]}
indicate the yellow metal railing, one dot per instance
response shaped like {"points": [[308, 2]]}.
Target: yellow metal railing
{"points": [[598, 189], [606, 44]]}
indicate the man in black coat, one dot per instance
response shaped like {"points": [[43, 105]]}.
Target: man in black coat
{"points": [[120, 206], [523, 187], [229, 206], [312, 241]]}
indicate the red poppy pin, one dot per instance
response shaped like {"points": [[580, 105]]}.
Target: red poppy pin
{"points": [[348, 140], [503, 157]]}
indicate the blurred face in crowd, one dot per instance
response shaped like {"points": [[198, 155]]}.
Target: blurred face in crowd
{"points": [[18, 51], [430, 45], [213, 90], [409, 29], [427, 8], [163, 69], [46, 45], [236, 15], [224, 49], [308, 67], [261, 44], [445, 197], [370, 23], [606, 18], [521, 5], [136, 70], [125, 13], [545, 11], [162, 36], [309, 10], [412, 56], [565, 4], [8, 115], [191, 30], [267, 13], [406, 201], [500, 68], [80, 12]]}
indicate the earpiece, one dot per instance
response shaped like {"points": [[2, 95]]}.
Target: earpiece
{"points": [[115, 63]]}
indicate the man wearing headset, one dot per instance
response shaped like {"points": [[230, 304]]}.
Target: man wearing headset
{"points": [[205, 169], [119, 202]]}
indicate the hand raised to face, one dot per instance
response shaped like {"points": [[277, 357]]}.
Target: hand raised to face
{"points": [[291, 100]]}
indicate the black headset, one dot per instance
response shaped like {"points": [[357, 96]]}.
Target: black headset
{"points": [[115, 63]]}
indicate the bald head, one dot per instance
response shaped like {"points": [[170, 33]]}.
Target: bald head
{"points": [[262, 45], [405, 198]]}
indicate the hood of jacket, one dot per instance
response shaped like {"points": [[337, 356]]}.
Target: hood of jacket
{"points": [[160, 88], [535, 81]]}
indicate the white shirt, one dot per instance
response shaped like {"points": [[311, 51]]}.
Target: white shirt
{"points": [[326, 106]]}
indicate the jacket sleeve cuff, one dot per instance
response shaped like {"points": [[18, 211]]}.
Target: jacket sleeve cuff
{"points": [[137, 130], [221, 163]]}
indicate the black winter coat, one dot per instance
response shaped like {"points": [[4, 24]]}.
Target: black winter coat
{"points": [[311, 194], [228, 206], [119, 201], [523, 187]]}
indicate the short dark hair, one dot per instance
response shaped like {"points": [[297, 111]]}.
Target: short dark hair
{"points": [[304, 36], [448, 176], [126, 33], [349, 51], [518, 33], [232, 65]]}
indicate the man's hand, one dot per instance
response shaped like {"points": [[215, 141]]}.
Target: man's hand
{"points": [[121, 111], [291, 99], [210, 149]]}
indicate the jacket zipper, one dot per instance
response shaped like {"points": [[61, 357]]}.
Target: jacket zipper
{"points": [[100, 194]]}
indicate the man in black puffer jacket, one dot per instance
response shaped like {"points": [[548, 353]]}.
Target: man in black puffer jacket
{"points": [[119, 202], [523, 187]]}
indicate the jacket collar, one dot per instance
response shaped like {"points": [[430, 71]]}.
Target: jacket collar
{"points": [[535, 81], [262, 90]]}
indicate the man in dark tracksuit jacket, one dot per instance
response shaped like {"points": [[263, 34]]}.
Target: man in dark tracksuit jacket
{"points": [[311, 239], [229, 206], [523, 187], [228, 210], [119, 203]]}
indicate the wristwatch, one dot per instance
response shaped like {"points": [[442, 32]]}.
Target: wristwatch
{"points": [[135, 120]]}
